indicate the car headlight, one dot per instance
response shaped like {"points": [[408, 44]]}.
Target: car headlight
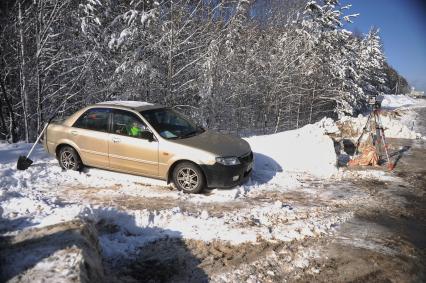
{"points": [[228, 160]]}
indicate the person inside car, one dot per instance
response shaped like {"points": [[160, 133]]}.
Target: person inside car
{"points": [[134, 130]]}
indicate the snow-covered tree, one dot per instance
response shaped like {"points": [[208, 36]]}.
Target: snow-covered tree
{"points": [[372, 64], [235, 65]]}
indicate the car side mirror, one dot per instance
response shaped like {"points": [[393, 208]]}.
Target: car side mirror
{"points": [[147, 135]]}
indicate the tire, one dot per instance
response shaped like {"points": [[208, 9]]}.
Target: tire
{"points": [[189, 178], [69, 159]]}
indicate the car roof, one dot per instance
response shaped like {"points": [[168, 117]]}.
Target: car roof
{"points": [[129, 104]]}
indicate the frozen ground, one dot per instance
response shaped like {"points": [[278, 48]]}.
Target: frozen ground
{"points": [[296, 213]]}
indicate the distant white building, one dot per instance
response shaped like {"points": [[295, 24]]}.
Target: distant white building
{"points": [[416, 93]]}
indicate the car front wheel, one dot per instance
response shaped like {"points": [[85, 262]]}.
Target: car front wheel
{"points": [[69, 159], [188, 178]]}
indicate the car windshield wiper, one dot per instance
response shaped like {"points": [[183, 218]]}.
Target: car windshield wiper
{"points": [[190, 134]]}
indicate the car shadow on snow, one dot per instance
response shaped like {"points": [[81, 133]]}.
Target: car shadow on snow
{"points": [[113, 247], [265, 168]]}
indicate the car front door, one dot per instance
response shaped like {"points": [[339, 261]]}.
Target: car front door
{"points": [[128, 150], [90, 133]]}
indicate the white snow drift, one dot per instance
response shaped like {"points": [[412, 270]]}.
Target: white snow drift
{"points": [[397, 101], [308, 149]]}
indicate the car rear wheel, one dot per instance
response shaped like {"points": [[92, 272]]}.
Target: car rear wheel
{"points": [[69, 159], [188, 178]]}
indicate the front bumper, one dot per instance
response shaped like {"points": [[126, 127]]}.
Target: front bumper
{"points": [[223, 176]]}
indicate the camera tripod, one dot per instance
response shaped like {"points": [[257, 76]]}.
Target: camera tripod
{"points": [[374, 128]]}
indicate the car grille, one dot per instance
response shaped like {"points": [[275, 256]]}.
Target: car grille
{"points": [[246, 158]]}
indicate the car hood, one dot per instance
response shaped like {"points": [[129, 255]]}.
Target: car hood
{"points": [[216, 143]]}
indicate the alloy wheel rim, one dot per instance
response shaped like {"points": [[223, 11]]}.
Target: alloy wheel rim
{"points": [[187, 178], [67, 160]]}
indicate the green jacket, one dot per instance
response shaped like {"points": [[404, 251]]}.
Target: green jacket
{"points": [[135, 131]]}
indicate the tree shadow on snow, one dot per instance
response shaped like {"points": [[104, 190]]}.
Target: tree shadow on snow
{"points": [[20, 253], [10, 225], [145, 253], [113, 246], [7, 226], [11, 153]]}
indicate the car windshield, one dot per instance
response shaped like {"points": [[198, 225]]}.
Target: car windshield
{"points": [[170, 124]]}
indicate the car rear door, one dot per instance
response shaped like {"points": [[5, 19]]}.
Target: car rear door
{"points": [[128, 151], [91, 134]]}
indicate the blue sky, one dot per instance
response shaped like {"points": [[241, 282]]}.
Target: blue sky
{"points": [[402, 25]]}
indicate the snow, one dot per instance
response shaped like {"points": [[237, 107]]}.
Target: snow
{"points": [[59, 266], [307, 150], [127, 103], [396, 115], [281, 160], [396, 101], [285, 163], [394, 127]]}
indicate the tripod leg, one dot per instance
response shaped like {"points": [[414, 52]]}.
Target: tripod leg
{"points": [[378, 133], [362, 134], [391, 166]]}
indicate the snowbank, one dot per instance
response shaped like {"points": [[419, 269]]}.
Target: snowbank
{"points": [[394, 127], [308, 150], [396, 101], [397, 117]]}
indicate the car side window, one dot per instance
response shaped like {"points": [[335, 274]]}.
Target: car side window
{"points": [[95, 119], [127, 124]]}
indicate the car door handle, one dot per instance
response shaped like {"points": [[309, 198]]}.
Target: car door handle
{"points": [[74, 133], [115, 140]]}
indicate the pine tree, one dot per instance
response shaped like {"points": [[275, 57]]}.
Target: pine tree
{"points": [[372, 64]]}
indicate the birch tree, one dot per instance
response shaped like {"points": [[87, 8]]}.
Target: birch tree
{"points": [[241, 66]]}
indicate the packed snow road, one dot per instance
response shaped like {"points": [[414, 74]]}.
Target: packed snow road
{"points": [[293, 221]]}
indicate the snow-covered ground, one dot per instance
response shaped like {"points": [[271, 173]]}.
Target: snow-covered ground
{"points": [[291, 170], [397, 101], [281, 162]]}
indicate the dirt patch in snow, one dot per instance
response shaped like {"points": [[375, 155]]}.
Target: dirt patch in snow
{"points": [[177, 260], [100, 197], [341, 263]]}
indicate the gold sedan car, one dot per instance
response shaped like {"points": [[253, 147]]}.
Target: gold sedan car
{"points": [[150, 140]]}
